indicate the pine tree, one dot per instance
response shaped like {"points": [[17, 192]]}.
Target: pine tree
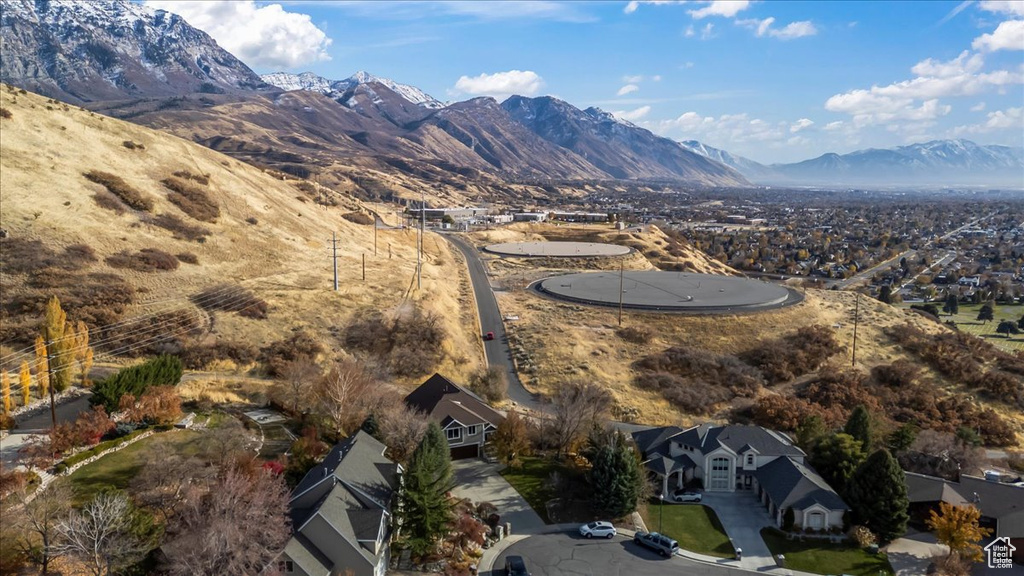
{"points": [[952, 305], [986, 313], [5, 382], [371, 426], [877, 494], [510, 440], [55, 330], [425, 508], [836, 458], [859, 426], [25, 381], [42, 366], [615, 477]]}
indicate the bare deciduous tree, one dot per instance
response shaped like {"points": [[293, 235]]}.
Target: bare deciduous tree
{"points": [[102, 535], [235, 528], [401, 429], [163, 482], [578, 405], [225, 442], [339, 392], [37, 521], [295, 389]]}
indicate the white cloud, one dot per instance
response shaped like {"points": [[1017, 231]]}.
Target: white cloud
{"points": [[833, 126], [656, 78], [801, 124], [266, 37], [728, 129], [633, 5], [690, 32], [1013, 7], [707, 32], [632, 79], [501, 84], [627, 89], [980, 106], [632, 115], [688, 65], [792, 30], [1011, 118], [917, 98], [1009, 35], [724, 8]]}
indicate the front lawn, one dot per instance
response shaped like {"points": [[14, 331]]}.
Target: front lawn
{"points": [[823, 557], [694, 526], [531, 481]]}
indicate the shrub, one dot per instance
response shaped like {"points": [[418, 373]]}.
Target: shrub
{"points": [[359, 218], [276, 356], [489, 383], [180, 229], [635, 334], [108, 201], [157, 334], [786, 358], [252, 220], [199, 357], [899, 374], [412, 346], [163, 370], [118, 187], [1002, 386], [192, 200], [6, 114], [228, 298], [187, 257], [203, 179], [145, 260], [132, 145]]}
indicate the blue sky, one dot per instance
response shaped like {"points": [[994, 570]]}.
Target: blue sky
{"points": [[773, 81]]}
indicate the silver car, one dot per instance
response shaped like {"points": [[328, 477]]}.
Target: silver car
{"points": [[599, 529]]}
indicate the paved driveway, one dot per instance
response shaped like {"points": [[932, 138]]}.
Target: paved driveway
{"points": [[480, 482], [743, 517]]}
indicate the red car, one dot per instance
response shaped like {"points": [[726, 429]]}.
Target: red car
{"points": [[489, 336]]}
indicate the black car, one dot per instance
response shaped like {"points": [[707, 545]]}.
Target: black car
{"points": [[661, 544], [515, 566]]}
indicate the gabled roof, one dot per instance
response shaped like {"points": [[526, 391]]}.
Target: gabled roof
{"points": [[444, 401], [994, 499], [707, 438], [791, 484], [665, 465], [360, 462], [651, 440], [307, 557]]}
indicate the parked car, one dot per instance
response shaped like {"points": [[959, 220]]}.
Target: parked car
{"points": [[686, 496], [600, 529], [661, 544], [515, 566], [489, 336]]}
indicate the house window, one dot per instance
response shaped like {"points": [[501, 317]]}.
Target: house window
{"points": [[750, 459], [285, 566], [816, 520], [472, 430], [454, 434], [719, 474]]}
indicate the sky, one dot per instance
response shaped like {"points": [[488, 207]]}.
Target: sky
{"points": [[773, 81]]}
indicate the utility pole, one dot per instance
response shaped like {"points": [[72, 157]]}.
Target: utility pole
{"points": [[419, 252], [856, 317], [364, 266], [334, 246], [622, 266], [49, 375], [375, 234]]}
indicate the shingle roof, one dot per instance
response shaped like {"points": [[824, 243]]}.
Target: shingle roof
{"points": [[666, 465], [358, 460], [306, 556], [792, 484], [444, 401], [994, 499], [707, 438], [651, 440]]}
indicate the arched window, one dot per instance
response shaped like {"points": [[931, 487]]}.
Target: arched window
{"points": [[720, 474]]}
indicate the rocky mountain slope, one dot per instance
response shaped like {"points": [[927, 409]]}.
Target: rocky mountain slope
{"points": [[753, 171], [336, 88], [90, 51]]}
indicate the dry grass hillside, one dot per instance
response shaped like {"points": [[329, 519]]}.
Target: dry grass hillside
{"points": [[122, 221]]}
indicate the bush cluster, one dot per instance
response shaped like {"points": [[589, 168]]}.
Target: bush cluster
{"points": [[133, 145], [145, 260], [187, 258], [203, 179], [412, 345], [199, 357], [361, 218], [786, 358], [164, 370], [228, 298], [192, 199], [158, 334], [695, 380], [277, 355], [118, 187], [179, 228], [635, 334]]}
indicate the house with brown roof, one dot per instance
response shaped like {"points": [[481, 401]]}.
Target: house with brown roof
{"points": [[341, 513], [466, 419]]}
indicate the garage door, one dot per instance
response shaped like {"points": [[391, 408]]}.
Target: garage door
{"points": [[462, 452]]}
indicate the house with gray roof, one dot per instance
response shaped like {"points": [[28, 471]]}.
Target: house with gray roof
{"points": [[341, 513], [466, 419], [739, 457]]}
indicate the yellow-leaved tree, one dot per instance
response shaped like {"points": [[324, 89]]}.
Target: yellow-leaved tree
{"points": [[5, 383], [60, 341], [957, 527], [25, 381], [83, 352], [42, 367]]}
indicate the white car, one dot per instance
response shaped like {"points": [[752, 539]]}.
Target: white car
{"points": [[686, 496], [600, 529]]}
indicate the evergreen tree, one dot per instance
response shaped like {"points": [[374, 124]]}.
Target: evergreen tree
{"points": [[135, 380], [877, 494], [370, 426], [885, 294], [810, 431], [25, 381], [952, 305], [859, 426], [901, 438], [1007, 327], [836, 457], [425, 509], [1020, 323], [986, 312], [616, 479]]}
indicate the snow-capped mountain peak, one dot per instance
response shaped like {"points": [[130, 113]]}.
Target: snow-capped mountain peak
{"points": [[334, 88]]}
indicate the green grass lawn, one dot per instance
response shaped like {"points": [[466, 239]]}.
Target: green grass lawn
{"points": [[116, 470], [694, 526], [967, 321], [531, 482], [823, 557]]}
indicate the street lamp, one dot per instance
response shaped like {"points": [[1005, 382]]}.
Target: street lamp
{"points": [[661, 510]]}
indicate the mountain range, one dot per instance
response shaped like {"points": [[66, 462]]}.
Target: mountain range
{"points": [[937, 162], [153, 68]]}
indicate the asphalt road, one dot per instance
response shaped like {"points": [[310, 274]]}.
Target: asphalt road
{"points": [[571, 555], [497, 350], [66, 412]]}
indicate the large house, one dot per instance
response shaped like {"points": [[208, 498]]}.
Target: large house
{"points": [[1001, 505], [466, 419], [341, 513], [736, 457]]}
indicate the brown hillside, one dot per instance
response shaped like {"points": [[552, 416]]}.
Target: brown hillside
{"points": [[159, 219]]}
